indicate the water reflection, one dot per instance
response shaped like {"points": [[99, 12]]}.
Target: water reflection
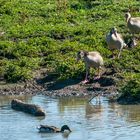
{"points": [[91, 110], [6, 100], [130, 112], [88, 121], [70, 103]]}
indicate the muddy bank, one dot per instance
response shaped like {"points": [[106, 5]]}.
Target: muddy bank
{"points": [[71, 87], [49, 86], [24, 88]]}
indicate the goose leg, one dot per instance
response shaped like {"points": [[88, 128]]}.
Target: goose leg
{"points": [[87, 73], [98, 76], [119, 53]]}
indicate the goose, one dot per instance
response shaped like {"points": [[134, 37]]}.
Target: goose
{"points": [[53, 129], [133, 23], [115, 41], [91, 59], [132, 43]]}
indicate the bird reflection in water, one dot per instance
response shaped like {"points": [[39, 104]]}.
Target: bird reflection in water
{"points": [[95, 109]]}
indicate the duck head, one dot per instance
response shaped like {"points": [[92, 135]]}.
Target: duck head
{"points": [[65, 128]]}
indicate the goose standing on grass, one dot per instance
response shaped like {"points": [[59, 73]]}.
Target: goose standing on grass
{"points": [[91, 59], [115, 41], [53, 129], [133, 23]]}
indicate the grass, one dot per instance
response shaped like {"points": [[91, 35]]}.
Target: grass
{"points": [[35, 34]]}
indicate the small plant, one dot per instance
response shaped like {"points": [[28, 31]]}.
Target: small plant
{"points": [[14, 73], [130, 92]]}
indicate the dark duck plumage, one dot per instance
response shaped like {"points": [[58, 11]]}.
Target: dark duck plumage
{"points": [[53, 129]]}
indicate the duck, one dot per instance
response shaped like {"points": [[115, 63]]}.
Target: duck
{"points": [[91, 59], [133, 23], [115, 41], [53, 129]]}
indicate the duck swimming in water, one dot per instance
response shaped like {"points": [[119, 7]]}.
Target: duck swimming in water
{"points": [[53, 129]]}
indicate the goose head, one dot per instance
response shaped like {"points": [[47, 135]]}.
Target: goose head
{"points": [[114, 31], [127, 16], [81, 55]]}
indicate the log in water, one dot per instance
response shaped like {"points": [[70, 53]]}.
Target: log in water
{"points": [[27, 108]]}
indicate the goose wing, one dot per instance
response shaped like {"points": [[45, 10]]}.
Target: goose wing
{"points": [[135, 21], [94, 53]]}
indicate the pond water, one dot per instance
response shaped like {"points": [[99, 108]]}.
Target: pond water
{"points": [[88, 121]]}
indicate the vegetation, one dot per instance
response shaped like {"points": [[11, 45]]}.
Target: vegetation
{"points": [[130, 92], [37, 34]]}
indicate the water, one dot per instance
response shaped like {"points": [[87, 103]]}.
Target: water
{"points": [[105, 121]]}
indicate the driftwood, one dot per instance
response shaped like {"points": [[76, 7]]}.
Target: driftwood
{"points": [[27, 108]]}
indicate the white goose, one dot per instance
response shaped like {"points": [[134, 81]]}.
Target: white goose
{"points": [[133, 23], [91, 59], [115, 41]]}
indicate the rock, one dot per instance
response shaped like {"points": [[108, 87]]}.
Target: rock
{"points": [[27, 108]]}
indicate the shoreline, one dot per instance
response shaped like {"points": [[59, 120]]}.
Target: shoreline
{"points": [[66, 88], [49, 86], [58, 90]]}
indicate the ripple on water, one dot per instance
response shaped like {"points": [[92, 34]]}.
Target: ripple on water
{"points": [[87, 121]]}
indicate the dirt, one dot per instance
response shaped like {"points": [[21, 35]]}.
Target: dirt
{"points": [[63, 88], [48, 85]]}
